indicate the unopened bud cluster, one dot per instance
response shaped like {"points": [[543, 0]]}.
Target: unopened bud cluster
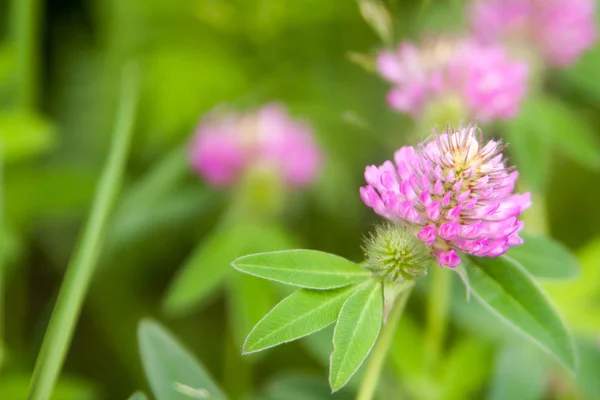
{"points": [[395, 254]]}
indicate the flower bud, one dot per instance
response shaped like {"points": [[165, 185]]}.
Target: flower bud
{"points": [[393, 253]]}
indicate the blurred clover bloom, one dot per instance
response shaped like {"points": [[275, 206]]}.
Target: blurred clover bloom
{"points": [[227, 146], [554, 31], [477, 79], [455, 192]]}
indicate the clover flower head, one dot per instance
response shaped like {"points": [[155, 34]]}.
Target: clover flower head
{"points": [[454, 191], [558, 30], [488, 84], [226, 146]]}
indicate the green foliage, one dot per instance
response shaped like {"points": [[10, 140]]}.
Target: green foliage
{"points": [[589, 360], [304, 268], [330, 292], [249, 298], [566, 130], [24, 135], [300, 314], [208, 265], [508, 291], [172, 371], [355, 332], [545, 258], [16, 386], [530, 149], [299, 387], [455, 384], [519, 372], [83, 261]]}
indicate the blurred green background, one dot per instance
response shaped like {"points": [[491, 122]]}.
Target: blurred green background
{"points": [[60, 68]]}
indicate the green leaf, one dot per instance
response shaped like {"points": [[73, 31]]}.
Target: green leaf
{"points": [[355, 332], [298, 315], [304, 268], [138, 396], [24, 135], [519, 373], [508, 291], [545, 258], [172, 372], [209, 264]]}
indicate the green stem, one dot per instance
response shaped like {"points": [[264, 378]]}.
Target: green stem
{"points": [[437, 315], [26, 31], [3, 256], [380, 352], [81, 266]]}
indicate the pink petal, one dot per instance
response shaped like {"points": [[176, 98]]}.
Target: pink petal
{"points": [[427, 235]]}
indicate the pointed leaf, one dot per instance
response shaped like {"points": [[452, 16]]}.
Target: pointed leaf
{"points": [[545, 258], [171, 370], [506, 289], [304, 268], [298, 315], [355, 333]]}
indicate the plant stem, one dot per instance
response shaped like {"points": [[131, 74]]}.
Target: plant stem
{"points": [[379, 354], [437, 315], [26, 31], [81, 266], [3, 256]]}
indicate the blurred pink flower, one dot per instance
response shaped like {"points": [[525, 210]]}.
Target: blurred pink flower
{"points": [[488, 84], [227, 145], [558, 30], [454, 191]]}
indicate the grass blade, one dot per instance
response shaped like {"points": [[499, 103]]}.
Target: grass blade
{"points": [[81, 266]]}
